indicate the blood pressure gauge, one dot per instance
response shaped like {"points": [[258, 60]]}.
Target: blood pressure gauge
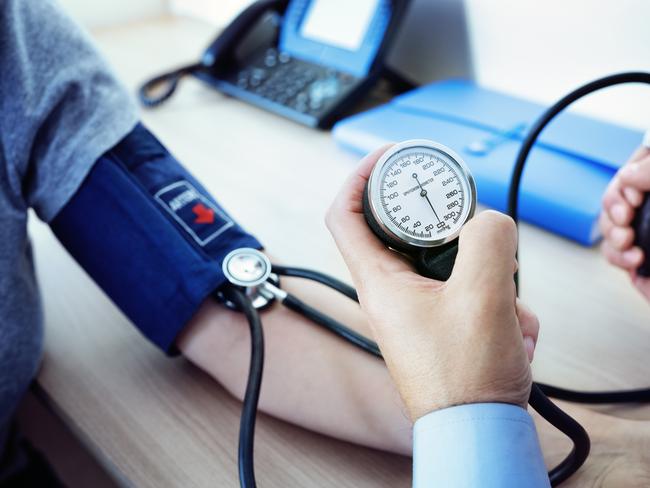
{"points": [[418, 197]]}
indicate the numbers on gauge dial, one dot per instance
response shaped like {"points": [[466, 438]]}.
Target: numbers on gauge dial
{"points": [[423, 194]]}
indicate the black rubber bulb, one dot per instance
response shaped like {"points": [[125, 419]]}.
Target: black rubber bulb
{"points": [[642, 234]]}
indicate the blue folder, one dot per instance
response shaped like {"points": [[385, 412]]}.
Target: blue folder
{"points": [[566, 173]]}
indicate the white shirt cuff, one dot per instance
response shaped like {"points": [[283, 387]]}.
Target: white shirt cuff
{"points": [[483, 444]]}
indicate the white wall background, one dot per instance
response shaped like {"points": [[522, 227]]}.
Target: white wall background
{"points": [[542, 49], [100, 13], [536, 49], [218, 12]]}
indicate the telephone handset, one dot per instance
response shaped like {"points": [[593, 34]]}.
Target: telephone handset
{"points": [[297, 58], [158, 89]]}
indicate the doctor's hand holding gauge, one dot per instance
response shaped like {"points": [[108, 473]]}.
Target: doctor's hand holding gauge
{"points": [[459, 350]]}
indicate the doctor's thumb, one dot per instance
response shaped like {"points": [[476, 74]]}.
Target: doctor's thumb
{"points": [[487, 248]]}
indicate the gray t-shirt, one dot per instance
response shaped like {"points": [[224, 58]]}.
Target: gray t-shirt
{"points": [[60, 109]]}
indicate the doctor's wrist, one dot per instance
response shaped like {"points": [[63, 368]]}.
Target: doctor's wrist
{"points": [[515, 395]]}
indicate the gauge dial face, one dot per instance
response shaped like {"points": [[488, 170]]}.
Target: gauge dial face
{"points": [[422, 193]]}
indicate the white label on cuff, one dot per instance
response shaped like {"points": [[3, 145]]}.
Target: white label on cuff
{"points": [[193, 211]]}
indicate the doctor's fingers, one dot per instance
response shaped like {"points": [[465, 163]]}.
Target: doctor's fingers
{"points": [[486, 255], [628, 182], [636, 174], [367, 258], [350, 196], [633, 195], [641, 152], [619, 193], [620, 238], [629, 259], [529, 324], [618, 208]]}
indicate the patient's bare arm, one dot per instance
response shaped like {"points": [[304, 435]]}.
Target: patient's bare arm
{"points": [[311, 378]]}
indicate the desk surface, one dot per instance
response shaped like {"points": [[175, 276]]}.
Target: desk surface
{"points": [[157, 422]]}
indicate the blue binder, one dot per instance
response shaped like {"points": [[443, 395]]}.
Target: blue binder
{"points": [[567, 171]]}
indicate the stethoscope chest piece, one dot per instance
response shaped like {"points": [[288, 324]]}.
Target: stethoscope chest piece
{"points": [[249, 270], [246, 267]]}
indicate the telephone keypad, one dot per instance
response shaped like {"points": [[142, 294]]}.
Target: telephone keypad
{"points": [[294, 83]]}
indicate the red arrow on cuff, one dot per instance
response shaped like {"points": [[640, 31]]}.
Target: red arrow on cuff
{"points": [[204, 215]]}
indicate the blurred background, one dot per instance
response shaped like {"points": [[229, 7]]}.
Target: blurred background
{"points": [[538, 50]]}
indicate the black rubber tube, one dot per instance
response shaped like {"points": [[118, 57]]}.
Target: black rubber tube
{"points": [[319, 277], [623, 396], [332, 325], [641, 395], [246, 462], [548, 116], [580, 438], [569, 427]]}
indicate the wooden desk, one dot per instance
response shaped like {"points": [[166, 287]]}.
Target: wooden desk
{"points": [[157, 422]]}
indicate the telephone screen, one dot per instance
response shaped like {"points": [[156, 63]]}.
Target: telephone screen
{"points": [[339, 23]]}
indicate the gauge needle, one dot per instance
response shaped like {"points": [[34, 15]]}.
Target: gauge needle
{"points": [[423, 193]]}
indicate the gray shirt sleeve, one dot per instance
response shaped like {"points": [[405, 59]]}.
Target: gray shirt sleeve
{"points": [[60, 106]]}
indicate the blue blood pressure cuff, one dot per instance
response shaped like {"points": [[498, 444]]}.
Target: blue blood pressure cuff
{"points": [[150, 235]]}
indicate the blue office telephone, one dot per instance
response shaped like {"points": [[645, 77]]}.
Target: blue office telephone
{"points": [[308, 60]]}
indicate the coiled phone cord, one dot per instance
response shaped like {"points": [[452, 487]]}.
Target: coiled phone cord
{"points": [[160, 88]]}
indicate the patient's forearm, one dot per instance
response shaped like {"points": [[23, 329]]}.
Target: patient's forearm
{"points": [[311, 377]]}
